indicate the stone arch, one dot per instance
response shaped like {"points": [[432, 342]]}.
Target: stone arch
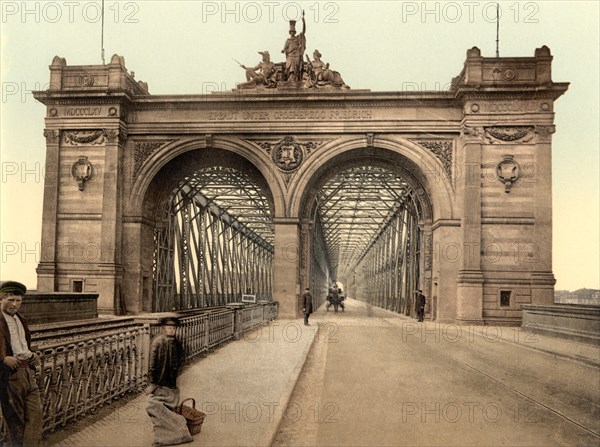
{"points": [[157, 178], [171, 151], [420, 166]]}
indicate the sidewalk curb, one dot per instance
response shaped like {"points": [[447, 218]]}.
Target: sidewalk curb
{"points": [[291, 385]]}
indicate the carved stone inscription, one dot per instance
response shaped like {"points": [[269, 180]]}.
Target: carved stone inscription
{"points": [[83, 111], [291, 114]]}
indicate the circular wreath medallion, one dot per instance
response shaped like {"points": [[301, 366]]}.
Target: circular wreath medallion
{"points": [[86, 80]]}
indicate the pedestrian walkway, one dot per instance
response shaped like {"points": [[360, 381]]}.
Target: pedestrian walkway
{"points": [[371, 377], [243, 387]]}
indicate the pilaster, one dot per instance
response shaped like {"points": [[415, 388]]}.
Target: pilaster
{"points": [[46, 269], [469, 300], [286, 266]]}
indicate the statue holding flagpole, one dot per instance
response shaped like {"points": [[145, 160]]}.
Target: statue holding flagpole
{"points": [[294, 49]]}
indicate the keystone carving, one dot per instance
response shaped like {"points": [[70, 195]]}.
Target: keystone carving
{"points": [[288, 154]]}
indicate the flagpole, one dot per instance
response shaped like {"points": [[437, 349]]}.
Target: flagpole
{"points": [[497, 29], [102, 37]]}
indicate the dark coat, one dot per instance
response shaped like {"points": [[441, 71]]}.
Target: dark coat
{"points": [[307, 303], [420, 301], [5, 346], [166, 357]]}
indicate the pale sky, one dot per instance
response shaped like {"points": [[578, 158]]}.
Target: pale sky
{"points": [[187, 48]]}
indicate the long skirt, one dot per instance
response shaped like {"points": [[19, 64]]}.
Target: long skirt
{"points": [[170, 427]]}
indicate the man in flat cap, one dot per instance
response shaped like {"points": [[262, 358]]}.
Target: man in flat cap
{"points": [[166, 357], [19, 392]]}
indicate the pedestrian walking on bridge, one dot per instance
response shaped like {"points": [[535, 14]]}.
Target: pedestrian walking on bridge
{"points": [[420, 305], [307, 305]]}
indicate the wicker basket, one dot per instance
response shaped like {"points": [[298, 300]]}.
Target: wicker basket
{"points": [[193, 417]]}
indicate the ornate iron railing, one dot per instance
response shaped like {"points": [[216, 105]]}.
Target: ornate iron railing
{"points": [[252, 316], [200, 333], [221, 327], [79, 375]]}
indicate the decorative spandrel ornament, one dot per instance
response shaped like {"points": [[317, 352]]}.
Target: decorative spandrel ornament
{"points": [[287, 154]]}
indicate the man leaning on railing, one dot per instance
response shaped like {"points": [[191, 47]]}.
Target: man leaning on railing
{"points": [[19, 392]]}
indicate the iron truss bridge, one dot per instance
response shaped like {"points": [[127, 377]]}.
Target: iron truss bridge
{"points": [[369, 221], [214, 239]]}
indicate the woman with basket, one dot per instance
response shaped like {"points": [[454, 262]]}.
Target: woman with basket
{"points": [[166, 357]]}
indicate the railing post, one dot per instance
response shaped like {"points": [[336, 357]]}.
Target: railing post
{"points": [[145, 351], [207, 324], [238, 325], [265, 311]]}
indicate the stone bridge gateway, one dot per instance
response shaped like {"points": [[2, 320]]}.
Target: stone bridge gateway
{"points": [[160, 202]]}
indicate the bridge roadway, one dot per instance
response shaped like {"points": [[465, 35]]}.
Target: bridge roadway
{"points": [[369, 377]]}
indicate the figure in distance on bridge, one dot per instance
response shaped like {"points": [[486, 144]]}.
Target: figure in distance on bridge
{"points": [[420, 305], [166, 357], [335, 297], [307, 305]]}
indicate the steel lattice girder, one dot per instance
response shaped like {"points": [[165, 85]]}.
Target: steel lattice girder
{"points": [[355, 208], [234, 197], [215, 241]]}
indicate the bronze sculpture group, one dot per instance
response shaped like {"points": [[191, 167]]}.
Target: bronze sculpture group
{"points": [[295, 72]]}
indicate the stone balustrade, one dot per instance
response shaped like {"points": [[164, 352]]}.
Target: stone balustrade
{"points": [[572, 321]]}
